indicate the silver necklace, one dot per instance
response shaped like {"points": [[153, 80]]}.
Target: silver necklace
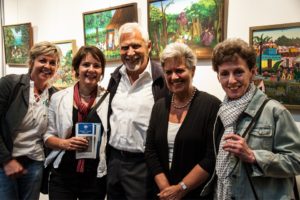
{"points": [[186, 104]]}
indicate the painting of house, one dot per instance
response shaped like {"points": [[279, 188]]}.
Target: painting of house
{"points": [[101, 28]]}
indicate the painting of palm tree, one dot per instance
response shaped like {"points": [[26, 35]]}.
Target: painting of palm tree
{"points": [[278, 61]]}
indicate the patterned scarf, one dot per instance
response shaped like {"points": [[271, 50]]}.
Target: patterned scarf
{"points": [[229, 113], [83, 111]]}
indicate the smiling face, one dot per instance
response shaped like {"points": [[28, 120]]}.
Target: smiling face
{"points": [[235, 78], [178, 76], [134, 51], [43, 68], [90, 71]]}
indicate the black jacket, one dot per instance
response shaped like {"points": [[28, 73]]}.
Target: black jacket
{"points": [[14, 100]]}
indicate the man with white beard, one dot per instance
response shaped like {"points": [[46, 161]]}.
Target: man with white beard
{"points": [[134, 87]]}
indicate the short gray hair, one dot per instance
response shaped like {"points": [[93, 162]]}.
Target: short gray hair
{"points": [[133, 26], [179, 50]]}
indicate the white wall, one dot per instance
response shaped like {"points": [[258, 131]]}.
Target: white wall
{"points": [[62, 20]]}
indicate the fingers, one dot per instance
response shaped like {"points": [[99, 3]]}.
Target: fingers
{"points": [[238, 146], [14, 169], [77, 143]]}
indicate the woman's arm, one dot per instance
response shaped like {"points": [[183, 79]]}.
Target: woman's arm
{"points": [[192, 180], [70, 144], [151, 148], [52, 137]]}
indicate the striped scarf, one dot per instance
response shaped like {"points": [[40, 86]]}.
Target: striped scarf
{"points": [[229, 113]]}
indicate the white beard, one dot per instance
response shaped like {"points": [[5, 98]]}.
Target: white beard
{"points": [[133, 67]]}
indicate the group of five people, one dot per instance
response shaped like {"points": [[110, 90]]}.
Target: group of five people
{"points": [[161, 138]]}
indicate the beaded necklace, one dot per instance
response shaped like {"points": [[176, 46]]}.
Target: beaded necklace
{"points": [[187, 103]]}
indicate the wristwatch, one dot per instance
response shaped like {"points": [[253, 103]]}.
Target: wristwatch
{"points": [[183, 185]]}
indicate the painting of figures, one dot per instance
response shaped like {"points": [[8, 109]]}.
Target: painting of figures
{"points": [[17, 43], [278, 61], [197, 23], [101, 28], [65, 75]]}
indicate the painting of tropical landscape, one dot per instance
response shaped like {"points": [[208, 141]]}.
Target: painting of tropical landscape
{"points": [[65, 75], [197, 23], [278, 61], [101, 28], [17, 43]]}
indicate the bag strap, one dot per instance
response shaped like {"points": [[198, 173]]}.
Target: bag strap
{"points": [[91, 113], [296, 192], [248, 129], [256, 116]]}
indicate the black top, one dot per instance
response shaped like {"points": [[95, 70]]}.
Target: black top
{"points": [[69, 163], [193, 143]]}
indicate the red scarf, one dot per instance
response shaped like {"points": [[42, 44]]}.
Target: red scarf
{"points": [[83, 111]]}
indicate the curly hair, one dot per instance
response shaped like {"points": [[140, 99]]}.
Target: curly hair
{"points": [[231, 50]]}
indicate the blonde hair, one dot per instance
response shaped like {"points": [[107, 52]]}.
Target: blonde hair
{"points": [[43, 48]]}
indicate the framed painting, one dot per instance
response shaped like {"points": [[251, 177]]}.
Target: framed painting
{"points": [[278, 61], [17, 43], [200, 24], [101, 28], [65, 75]]}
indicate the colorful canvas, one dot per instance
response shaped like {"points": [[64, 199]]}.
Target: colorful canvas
{"points": [[197, 23], [278, 61], [17, 43], [101, 28], [65, 76]]}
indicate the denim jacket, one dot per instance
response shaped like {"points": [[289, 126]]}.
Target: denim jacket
{"points": [[275, 141]]}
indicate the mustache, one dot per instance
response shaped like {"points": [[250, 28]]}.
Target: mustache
{"points": [[135, 57]]}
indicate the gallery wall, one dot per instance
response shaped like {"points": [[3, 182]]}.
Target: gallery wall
{"points": [[56, 20]]}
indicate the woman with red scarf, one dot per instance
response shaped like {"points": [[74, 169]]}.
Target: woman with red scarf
{"points": [[72, 178]]}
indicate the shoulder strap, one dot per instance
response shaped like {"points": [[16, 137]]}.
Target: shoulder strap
{"points": [[296, 192], [248, 129], [256, 116], [91, 113]]}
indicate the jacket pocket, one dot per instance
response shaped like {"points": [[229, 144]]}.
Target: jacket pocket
{"points": [[261, 137]]}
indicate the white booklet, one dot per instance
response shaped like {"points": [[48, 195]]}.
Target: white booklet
{"points": [[90, 131]]}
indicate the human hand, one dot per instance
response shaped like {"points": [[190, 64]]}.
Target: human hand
{"points": [[74, 144], [13, 169], [238, 146], [173, 192]]}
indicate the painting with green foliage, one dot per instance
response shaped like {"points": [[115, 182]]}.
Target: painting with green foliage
{"points": [[278, 61], [17, 43], [198, 23], [101, 28], [65, 75]]}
